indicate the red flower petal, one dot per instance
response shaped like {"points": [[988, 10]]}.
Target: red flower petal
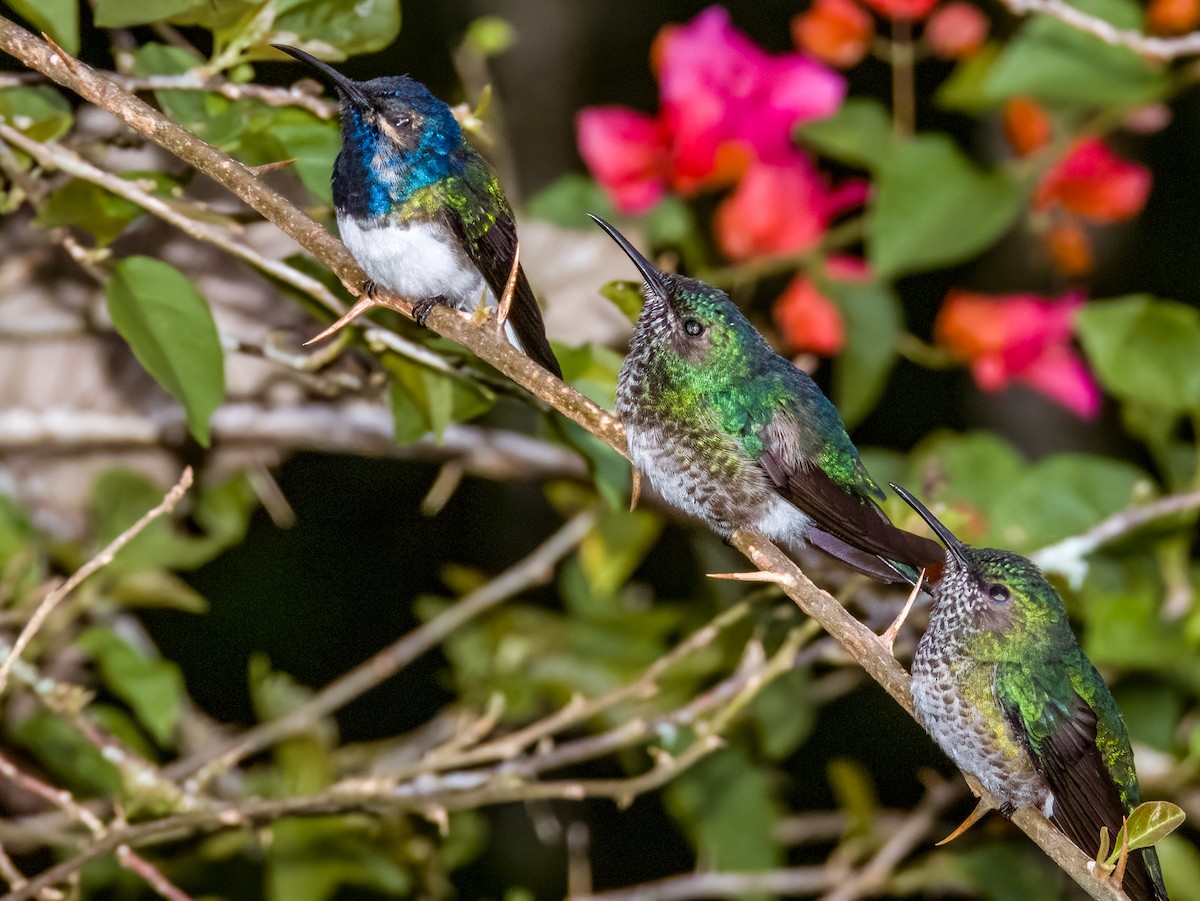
{"points": [[902, 9], [1027, 126], [956, 31], [1095, 183], [808, 320], [626, 152], [837, 31]]}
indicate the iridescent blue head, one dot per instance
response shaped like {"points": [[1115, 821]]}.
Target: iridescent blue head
{"points": [[396, 138]]}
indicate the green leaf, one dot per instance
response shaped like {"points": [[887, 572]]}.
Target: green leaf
{"points": [[333, 29], [859, 133], [936, 208], [170, 329], [964, 90], [1144, 350], [1053, 61], [616, 547], [188, 108], [566, 201], [1180, 860], [157, 588], [784, 713], [58, 18], [425, 400], [40, 111], [82, 204], [310, 860], [153, 689], [726, 805], [490, 35], [626, 296], [1150, 823], [123, 13], [73, 760], [873, 318]]}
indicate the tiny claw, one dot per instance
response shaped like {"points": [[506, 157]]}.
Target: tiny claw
{"points": [[888, 638], [760, 576], [423, 307], [362, 305], [974, 817]]}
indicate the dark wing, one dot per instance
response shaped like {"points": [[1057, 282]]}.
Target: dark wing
{"points": [[853, 520], [1085, 795], [491, 249]]}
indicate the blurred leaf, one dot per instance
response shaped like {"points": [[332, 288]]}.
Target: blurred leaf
{"points": [[152, 688], [592, 370], [854, 791], [40, 111], [425, 401], [73, 761], [567, 200], [157, 588], [1180, 860], [220, 515], [58, 18], [627, 296], [616, 547], [1148, 824], [310, 860], [1061, 496], [995, 871], [671, 223], [964, 90], [1054, 61], [726, 806], [169, 327], [188, 108], [304, 760], [610, 472], [81, 204], [783, 714], [490, 35], [123, 13], [860, 133], [873, 318], [333, 29], [979, 468], [934, 208], [1144, 349]]}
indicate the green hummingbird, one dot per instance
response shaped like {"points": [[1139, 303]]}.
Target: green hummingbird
{"points": [[733, 434], [1003, 687]]}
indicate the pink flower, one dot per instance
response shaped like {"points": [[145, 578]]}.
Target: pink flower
{"points": [[725, 103], [627, 152], [956, 31], [1093, 182], [1020, 337], [807, 319], [781, 209]]}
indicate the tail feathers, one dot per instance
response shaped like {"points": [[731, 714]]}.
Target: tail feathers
{"points": [[525, 321], [865, 562]]}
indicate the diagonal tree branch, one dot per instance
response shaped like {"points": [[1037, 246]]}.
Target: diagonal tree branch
{"points": [[1137, 41]]}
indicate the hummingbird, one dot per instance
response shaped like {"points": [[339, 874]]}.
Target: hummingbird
{"points": [[733, 434], [1002, 685], [421, 210]]}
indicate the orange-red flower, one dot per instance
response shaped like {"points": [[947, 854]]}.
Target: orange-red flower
{"points": [[1070, 248], [1019, 337], [1093, 182], [837, 31], [781, 209], [1172, 17], [912, 10], [808, 320], [956, 30], [1027, 126]]}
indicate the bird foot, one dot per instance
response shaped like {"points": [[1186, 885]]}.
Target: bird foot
{"points": [[361, 306], [975, 816], [370, 288], [423, 307], [888, 638], [760, 576]]}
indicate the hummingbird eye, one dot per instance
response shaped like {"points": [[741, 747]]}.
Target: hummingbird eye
{"points": [[999, 594], [693, 327], [403, 121]]}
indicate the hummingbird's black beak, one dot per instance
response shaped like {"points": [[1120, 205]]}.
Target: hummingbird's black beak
{"points": [[348, 86], [956, 548], [648, 270]]}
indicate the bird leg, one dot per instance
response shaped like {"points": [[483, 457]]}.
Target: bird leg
{"points": [[510, 288], [423, 307], [888, 638], [975, 816], [362, 305], [636, 491]]}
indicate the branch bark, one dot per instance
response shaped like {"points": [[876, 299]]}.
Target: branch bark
{"points": [[1137, 41]]}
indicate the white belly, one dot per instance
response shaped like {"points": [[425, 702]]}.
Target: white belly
{"points": [[417, 261]]}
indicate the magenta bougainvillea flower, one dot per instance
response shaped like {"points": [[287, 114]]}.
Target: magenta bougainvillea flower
{"points": [[782, 208], [725, 105], [1093, 182], [1020, 337]]}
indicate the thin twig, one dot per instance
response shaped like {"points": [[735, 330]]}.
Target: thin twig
{"points": [[135, 863], [788, 881], [1157, 48], [98, 562]]}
